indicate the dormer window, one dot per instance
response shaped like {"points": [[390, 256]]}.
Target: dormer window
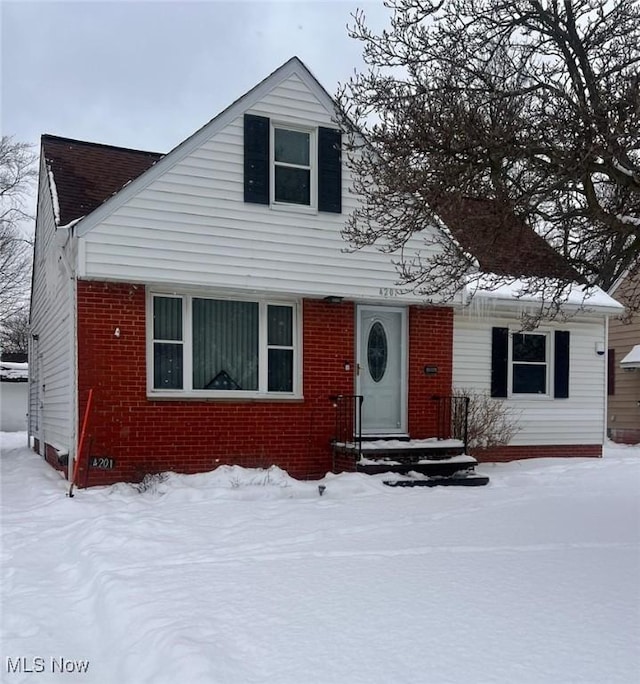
{"points": [[286, 165], [292, 166]]}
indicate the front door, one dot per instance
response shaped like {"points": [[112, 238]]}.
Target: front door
{"points": [[382, 364]]}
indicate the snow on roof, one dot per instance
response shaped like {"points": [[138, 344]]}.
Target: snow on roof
{"points": [[54, 195], [632, 359], [577, 296], [14, 372]]}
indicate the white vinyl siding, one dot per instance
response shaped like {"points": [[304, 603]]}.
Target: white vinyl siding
{"points": [[578, 419], [191, 225], [52, 361]]}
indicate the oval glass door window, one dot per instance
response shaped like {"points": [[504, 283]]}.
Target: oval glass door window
{"points": [[377, 351]]}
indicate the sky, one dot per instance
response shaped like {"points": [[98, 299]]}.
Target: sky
{"points": [[146, 75]]}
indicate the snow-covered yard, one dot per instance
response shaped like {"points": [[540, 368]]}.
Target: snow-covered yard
{"points": [[248, 576]]}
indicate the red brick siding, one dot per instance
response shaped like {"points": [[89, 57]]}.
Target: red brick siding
{"points": [[50, 456], [625, 435], [146, 436], [344, 462], [513, 453], [431, 344]]}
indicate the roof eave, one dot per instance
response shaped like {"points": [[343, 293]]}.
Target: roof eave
{"points": [[589, 306]]}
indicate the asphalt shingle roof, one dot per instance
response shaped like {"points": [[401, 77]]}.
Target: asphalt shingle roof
{"points": [[86, 174], [501, 242]]}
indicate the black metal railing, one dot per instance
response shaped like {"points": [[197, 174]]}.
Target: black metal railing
{"points": [[348, 425], [452, 418]]}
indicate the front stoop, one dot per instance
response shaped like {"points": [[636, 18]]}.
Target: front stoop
{"points": [[453, 470], [421, 463]]}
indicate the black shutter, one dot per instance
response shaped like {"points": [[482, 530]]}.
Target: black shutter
{"points": [[561, 365], [329, 170], [611, 372], [256, 159], [499, 361]]}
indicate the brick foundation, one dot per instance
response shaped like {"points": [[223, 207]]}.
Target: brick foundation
{"points": [[625, 435], [344, 463], [51, 457], [514, 453]]}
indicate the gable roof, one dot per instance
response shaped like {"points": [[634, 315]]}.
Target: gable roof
{"points": [[92, 180], [86, 174], [501, 242], [164, 162]]}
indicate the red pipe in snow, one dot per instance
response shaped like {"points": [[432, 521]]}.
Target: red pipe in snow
{"points": [[85, 420]]}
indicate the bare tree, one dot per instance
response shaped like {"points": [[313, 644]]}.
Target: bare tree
{"points": [[17, 173], [531, 104], [14, 333]]}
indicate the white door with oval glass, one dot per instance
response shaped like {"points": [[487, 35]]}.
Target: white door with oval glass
{"points": [[382, 369]]}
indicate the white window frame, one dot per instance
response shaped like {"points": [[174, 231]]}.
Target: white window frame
{"points": [[313, 167], [548, 364], [187, 345]]}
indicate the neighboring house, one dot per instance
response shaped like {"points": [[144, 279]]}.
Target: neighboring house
{"points": [[207, 298], [623, 423], [13, 395]]}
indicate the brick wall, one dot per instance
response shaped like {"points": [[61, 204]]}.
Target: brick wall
{"points": [[52, 458], [512, 453], [146, 436], [624, 435], [431, 344]]}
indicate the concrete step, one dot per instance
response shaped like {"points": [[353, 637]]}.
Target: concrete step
{"points": [[456, 480], [440, 466]]}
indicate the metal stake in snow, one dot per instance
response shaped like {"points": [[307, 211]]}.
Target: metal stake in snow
{"points": [[81, 442]]}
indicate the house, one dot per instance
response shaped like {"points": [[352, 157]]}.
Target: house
{"points": [[14, 375], [623, 417], [206, 302]]}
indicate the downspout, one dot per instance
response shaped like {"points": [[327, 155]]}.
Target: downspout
{"points": [[67, 242], [30, 386]]}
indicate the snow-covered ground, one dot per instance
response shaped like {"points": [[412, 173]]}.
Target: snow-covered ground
{"points": [[244, 576]]}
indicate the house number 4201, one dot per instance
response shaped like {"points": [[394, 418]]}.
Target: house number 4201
{"points": [[102, 462]]}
